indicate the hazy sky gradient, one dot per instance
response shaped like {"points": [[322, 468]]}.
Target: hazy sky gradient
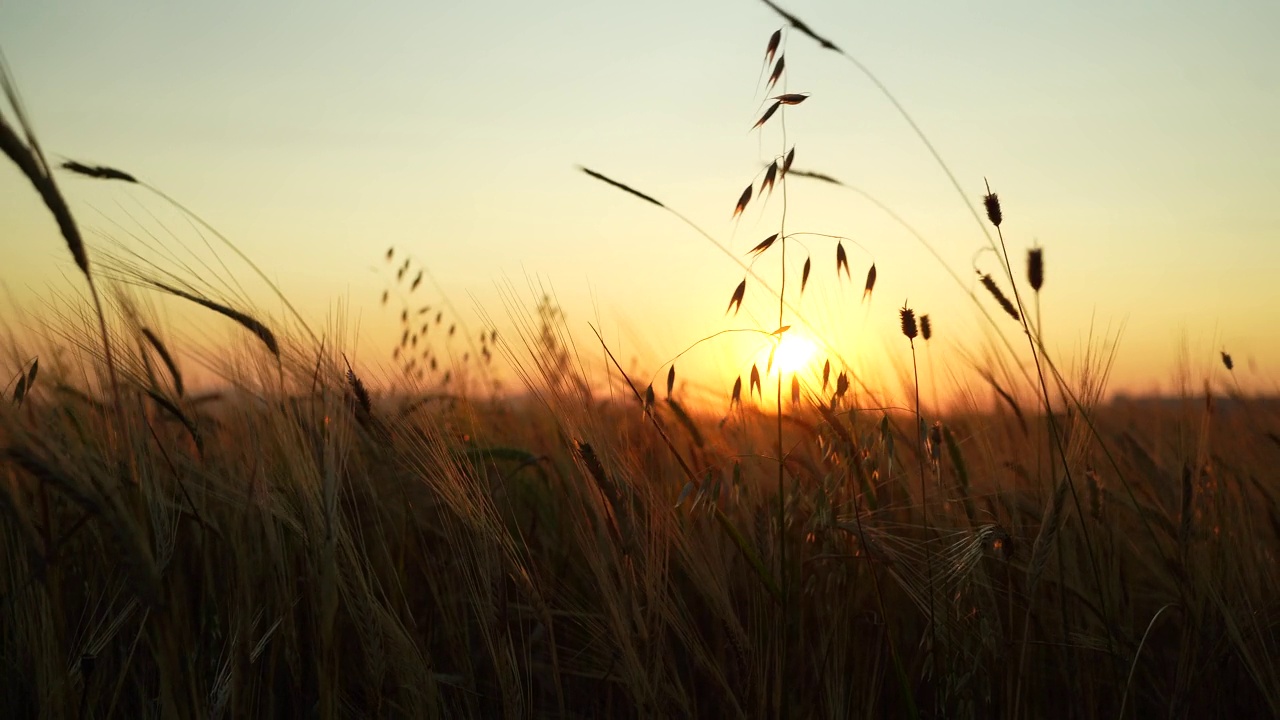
{"points": [[1134, 141]]}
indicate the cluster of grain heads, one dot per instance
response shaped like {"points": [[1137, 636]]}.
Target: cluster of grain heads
{"points": [[416, 325]]}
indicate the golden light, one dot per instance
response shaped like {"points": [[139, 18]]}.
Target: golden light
{"points": [[795, 352]]}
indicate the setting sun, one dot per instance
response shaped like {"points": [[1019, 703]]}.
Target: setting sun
{"points": [[660, 359], [795, 351]]}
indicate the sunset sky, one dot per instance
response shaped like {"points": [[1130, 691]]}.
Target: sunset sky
{"points": [[1134, 141]]}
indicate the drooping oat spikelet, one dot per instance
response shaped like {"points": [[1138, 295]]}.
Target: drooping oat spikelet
{"points": [[826, 374], [842, 261], [795, 389], [777, 71], [770, 176], [764, 245], [871, 283], [908, 318], [736, 397], [671, 380], [755, 388], [1035, 268], [791, 98], [763, 119], [166, 358], [926, 327], [804, 274], [774, 41], [786, 162], [996, 293], [842, 384], [743, 199], [735, 302]]}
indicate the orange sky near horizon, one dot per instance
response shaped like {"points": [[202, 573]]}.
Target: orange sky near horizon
{"points": [[1129, 142]]}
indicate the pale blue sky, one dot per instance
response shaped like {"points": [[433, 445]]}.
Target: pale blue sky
{"points": [[1135, 141]]}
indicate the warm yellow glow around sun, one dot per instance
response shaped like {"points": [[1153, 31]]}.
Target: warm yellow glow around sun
{"points": [[795, 352]]}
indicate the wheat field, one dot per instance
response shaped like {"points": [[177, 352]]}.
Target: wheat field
{"points": [[311, 536]]}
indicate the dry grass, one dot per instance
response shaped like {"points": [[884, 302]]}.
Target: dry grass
{"points": [[327, 543]]}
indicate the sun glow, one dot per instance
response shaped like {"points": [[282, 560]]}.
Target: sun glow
{"points": [[795, 352]]}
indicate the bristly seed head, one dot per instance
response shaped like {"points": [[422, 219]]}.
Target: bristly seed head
{"points": [[996, 293], [992, 201], [1035, 268], [926, 327], [1227, 361], [908, 317]]}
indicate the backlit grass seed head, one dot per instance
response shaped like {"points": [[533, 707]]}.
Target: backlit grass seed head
{"points": [[926, 327], [1227, 362], [777, 71], [774, 41], [996, 293], [908, 317], [1035, 268], [735, 302], [992, 201]]}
